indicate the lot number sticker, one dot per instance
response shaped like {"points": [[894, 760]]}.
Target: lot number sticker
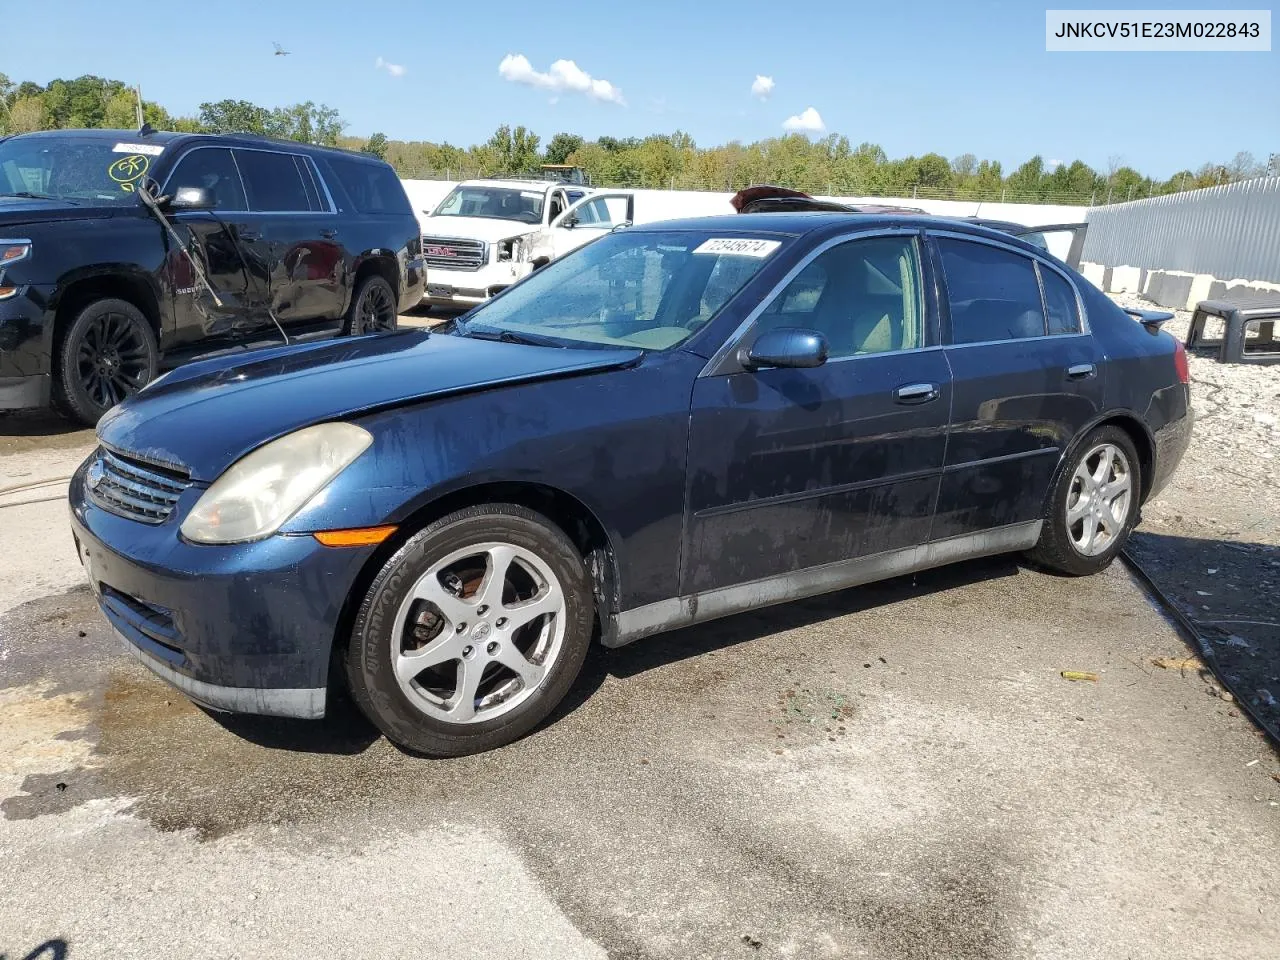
{"points": [[738, 247], [147, 149]]}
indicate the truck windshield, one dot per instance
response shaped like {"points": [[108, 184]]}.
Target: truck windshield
{"points": [[495, 203], [626, 289], [74, 168]]}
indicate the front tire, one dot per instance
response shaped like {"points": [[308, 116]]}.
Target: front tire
{"points": [[373, 309], [108, 354], [1093, 506], [472, 632]]}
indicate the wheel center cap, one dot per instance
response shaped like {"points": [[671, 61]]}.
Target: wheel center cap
{"points": [[480, 632]]}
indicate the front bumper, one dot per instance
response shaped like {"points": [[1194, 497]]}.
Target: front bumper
{"points": [[469, 287], [25, 339], [246, 628]]}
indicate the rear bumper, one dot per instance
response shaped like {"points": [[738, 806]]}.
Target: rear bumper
{"points": [[1172, 441], [414, 283]]}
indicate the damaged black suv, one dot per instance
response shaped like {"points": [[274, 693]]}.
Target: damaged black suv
{"points": [[123, 254]]}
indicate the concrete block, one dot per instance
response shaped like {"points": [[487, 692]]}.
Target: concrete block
{"points": [[1124, 280], [1201, 284], [1106, 278], [1170, 289], [1093, 272]]}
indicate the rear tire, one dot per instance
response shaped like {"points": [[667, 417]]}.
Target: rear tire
{"points": [[1093, 506], [108, 354], [472, 632], [373, 308]]}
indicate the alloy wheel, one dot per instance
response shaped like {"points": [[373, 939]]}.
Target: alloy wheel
{"points": [[478, 633], [111, 359], [1099, 499], [377, 312]]}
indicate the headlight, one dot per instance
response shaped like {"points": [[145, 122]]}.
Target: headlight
{"points": [[255, 497], [11, 252], [509, 249]]}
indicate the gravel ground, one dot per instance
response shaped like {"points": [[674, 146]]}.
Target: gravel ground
{"points": [[894, 772], [1212, 540]]}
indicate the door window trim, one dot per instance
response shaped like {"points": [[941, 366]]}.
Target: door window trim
{"points": [[1037, 261], [724, 361], [284, 153]]}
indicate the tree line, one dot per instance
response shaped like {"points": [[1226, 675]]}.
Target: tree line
{"points": [[831, 165]]}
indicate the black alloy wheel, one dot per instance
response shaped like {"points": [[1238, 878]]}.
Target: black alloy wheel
{"points": [[109, 354], [375, 308]]}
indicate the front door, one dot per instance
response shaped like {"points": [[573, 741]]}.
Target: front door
{"points": [[299, 235], [588, 219], [200, 324], [793, 468], [1028, 377]]}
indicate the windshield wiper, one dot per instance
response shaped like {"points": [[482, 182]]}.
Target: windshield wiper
{"points": [[508, 336], [29, 195]]}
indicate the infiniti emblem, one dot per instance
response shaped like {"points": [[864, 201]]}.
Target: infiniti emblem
{"points": [[480, 632], [93, 477]]}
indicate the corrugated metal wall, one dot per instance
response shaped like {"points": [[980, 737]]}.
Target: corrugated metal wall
{"points": [[1231, 232]]}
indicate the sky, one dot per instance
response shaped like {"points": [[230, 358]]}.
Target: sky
{"points": [[951, 77]]}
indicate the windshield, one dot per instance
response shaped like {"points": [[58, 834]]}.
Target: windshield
{"points": [[496, 203], [629, 289], [74, 168]]}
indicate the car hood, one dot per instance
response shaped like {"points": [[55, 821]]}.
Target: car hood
{"points": [[28, 210], [203, 417], [476, 228]]}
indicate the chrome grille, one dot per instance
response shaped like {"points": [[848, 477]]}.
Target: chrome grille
{"points": [[455, 253], [132, 489]]}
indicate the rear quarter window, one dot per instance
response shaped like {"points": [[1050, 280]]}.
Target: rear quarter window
{"points": [[370, 187]]}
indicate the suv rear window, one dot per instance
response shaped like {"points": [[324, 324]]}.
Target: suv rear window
{"points": [[371, 187]]}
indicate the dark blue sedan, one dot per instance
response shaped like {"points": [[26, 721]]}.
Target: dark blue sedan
{"points": [[677, 422]]}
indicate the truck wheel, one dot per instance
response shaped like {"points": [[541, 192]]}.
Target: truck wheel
{"points": [[108, 354], [373, 310], [472, 632]]}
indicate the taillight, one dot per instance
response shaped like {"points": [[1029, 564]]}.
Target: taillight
{"points": [[1180, 362]]}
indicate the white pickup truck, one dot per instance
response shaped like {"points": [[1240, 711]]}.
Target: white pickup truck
{"points": [[487, 234]]}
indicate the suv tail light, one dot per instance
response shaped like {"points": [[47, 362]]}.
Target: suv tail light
{"points": [[1180, 362]]}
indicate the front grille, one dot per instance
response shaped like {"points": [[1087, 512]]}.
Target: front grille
{"points": [[454, 253], [132, 489]]}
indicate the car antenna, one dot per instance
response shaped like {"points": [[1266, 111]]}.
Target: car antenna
{"points": [[146, 129], [152, 202]]}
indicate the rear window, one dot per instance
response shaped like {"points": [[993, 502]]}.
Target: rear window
{"points": [[371, 187], [993, 293]]}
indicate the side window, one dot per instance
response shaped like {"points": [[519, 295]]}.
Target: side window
{"points": [[864, 296], [213, 169], [596, 212], [557, 206], [993, 293], [1059, 301], [373, 188], [273, 182]]}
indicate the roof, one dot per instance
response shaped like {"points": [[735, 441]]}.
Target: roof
{"points": [[165, 137], [514, 182], [802, 223], [132, 136]]}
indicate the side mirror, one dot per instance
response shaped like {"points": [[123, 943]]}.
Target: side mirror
{"points": [[192, 198], [569, 222], [786, 347]]}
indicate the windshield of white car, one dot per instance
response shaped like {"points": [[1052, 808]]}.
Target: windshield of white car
{"points": [[631, 288], [74, 169], [494, 203]]}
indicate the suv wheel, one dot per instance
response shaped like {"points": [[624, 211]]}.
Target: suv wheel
{"points": [[108, 354], [373, 310], [472, 632]]}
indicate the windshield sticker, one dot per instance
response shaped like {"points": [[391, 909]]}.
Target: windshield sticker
{"points": [[146, 149], [127, 170], [532, 195], [738, 247]]}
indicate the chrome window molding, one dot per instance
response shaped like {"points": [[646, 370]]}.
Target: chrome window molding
{"points": [[735, 339], [1036, 258], [244, 187]]}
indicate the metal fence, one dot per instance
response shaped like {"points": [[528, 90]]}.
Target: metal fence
{"points": [[1231, 232]]}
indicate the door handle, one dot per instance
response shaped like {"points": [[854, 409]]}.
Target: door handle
{"points": [[247, 231], [1080, 371], [916, 393], [328, 233]]}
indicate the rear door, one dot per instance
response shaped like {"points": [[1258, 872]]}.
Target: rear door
{"points": [[227, 250], [1027, 378], [297, 227], [794, 468]]}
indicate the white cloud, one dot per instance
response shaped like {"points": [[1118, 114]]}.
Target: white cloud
{"points": [[762, 87], [564, 75], [808, 122], [1054, 164], [395, 69]]}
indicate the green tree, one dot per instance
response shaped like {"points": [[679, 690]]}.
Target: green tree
{"points": [[27, 114], [377, 146], [233, 116], [509, 151], [562, 145]]}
